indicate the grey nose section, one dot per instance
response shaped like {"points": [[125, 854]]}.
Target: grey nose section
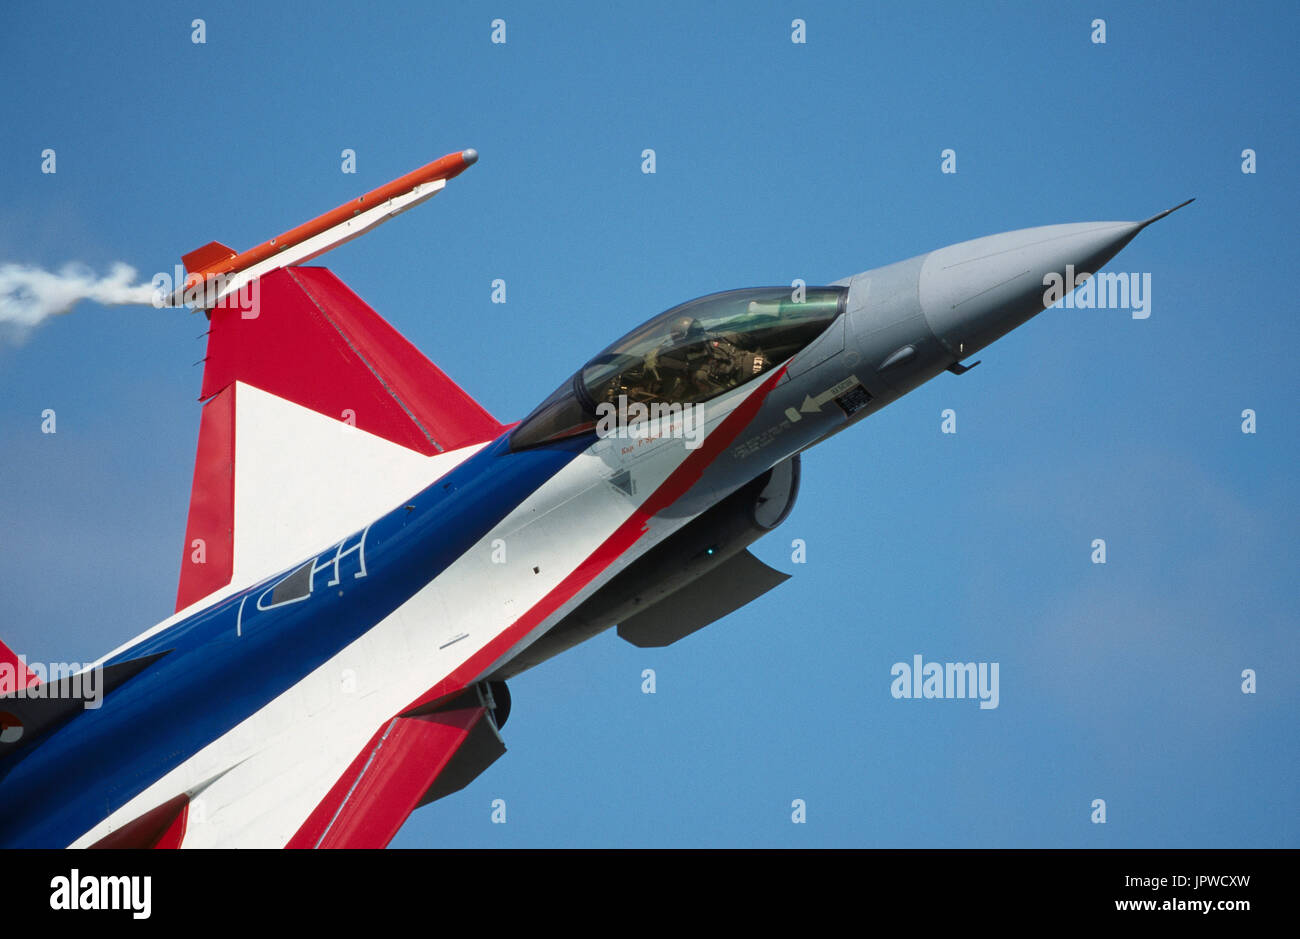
{"points": [[976, 291]]}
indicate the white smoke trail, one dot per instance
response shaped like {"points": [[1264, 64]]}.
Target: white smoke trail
{"points": [[30, 295]]}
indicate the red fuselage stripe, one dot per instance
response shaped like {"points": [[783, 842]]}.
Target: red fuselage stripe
{"points": [[481, 662]]}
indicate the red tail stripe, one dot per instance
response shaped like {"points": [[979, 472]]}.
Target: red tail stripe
{"points": [[207, 562], [311, 340]]}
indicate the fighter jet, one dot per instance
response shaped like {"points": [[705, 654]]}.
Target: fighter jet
{"points": [[370, 556]]}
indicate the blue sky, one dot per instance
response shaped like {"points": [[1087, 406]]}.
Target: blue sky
{"points": [[775, 160]]}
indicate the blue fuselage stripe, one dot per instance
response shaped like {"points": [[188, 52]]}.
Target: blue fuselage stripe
{"points": [[212, 679]]}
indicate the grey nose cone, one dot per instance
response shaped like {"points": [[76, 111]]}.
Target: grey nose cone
{"points": [[976, 291]]}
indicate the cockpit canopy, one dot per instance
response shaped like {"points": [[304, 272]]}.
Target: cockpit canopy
{"points": [[688, 354]]}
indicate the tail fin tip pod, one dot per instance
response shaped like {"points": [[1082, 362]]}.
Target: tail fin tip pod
{"points": [[215, 270]]}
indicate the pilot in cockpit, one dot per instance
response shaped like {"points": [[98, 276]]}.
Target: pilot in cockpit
{"points": [[694, 364]]}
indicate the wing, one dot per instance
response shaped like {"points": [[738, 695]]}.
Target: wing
{"points": [[412, 760]]}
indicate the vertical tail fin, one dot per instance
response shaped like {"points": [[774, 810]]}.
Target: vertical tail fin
{"points": [[318, 417]]}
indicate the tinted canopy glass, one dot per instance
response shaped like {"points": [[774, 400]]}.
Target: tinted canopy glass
{"points": [[688, 354]]}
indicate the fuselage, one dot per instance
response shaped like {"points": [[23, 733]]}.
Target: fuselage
{"points": [[449, 586]]}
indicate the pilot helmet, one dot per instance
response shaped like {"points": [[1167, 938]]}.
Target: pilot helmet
{"points": [[686, 327]]}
